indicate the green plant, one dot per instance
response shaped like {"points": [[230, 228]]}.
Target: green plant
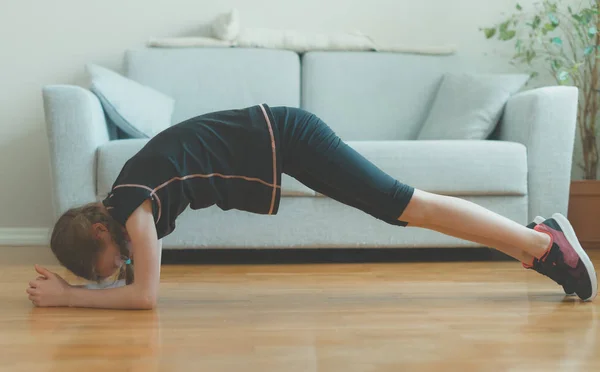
{"points": [[567, 42]]}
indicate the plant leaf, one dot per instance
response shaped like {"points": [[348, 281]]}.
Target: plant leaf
{"points": [[519, 7], [588, 50], [570, 10], [556, 65], [489, 32], [575, 68], [563, 76], [553, 19], [536, 22], [592, 31], [507, 35], [530, 55], [556, 40], [586, 16]]}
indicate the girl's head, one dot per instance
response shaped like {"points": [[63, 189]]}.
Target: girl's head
{"points": [[91, 244]]}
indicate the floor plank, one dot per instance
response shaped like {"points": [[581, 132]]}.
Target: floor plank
{"points": [[456, 316]]}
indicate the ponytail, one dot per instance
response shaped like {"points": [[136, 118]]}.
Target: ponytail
{"points": [[127, 270]]}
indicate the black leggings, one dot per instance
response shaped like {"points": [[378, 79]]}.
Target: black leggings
{"points": [[314, 155]]}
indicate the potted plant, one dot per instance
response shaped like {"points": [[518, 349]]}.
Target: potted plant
{"points": [[566, 42]]}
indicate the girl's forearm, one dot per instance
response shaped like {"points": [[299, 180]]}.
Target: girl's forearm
{"points": [[126, 297]]}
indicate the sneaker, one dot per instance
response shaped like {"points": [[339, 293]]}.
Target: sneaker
{"points": [[536, 221], [566, 262]]}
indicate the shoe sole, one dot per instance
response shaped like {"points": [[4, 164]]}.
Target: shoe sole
{"points": [[537, 220], [567, 229]]}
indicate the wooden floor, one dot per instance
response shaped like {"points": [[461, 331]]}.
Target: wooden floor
{"points": [[475, 316]]}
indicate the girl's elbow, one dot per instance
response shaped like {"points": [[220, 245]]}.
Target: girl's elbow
{"points": [[146, 301], [149, 301]]}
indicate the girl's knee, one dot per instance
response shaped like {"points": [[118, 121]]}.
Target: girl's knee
{"points": [[420, 210]]}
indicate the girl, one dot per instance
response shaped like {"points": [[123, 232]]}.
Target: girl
{"points": [[234, 159]]}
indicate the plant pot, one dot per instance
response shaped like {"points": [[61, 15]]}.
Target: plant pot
{"points": [[584, 212]]}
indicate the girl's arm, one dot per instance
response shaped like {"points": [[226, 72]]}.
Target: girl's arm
{"points": [[143, 292]]}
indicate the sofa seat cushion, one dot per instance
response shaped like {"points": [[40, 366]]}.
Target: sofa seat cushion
{"points": [[451, 167], [113, 155]]}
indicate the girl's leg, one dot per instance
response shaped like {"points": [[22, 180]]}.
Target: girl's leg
{"points": [[467, 220], [510, 250], [314, 154]]}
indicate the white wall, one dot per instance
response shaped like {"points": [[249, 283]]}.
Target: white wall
{"points": [[48, 42]]}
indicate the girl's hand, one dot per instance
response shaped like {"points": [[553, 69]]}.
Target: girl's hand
{"points": [[49, 289]]}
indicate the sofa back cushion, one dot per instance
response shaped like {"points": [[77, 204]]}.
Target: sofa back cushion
{"points": [[373, 96], [203, 80]]}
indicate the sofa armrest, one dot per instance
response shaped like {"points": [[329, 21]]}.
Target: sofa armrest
{"points": [[544, 120], [76, 127]]}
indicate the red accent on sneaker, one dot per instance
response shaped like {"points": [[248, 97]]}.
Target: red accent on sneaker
{"points": [[526, 265], [542, 230], [569, 254]]}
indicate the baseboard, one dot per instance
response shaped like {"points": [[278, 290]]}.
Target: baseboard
{"points": [[24, 236], [268, 256]]}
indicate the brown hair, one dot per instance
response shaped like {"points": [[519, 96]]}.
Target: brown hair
{"points": [[76, 248]]}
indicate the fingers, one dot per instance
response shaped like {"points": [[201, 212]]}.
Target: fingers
{"points": [[35, 283], [33, 296], [35, 300], [43, 271], [33, 293]]}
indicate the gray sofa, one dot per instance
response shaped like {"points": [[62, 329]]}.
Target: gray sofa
{"points": [[375, 101]]}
